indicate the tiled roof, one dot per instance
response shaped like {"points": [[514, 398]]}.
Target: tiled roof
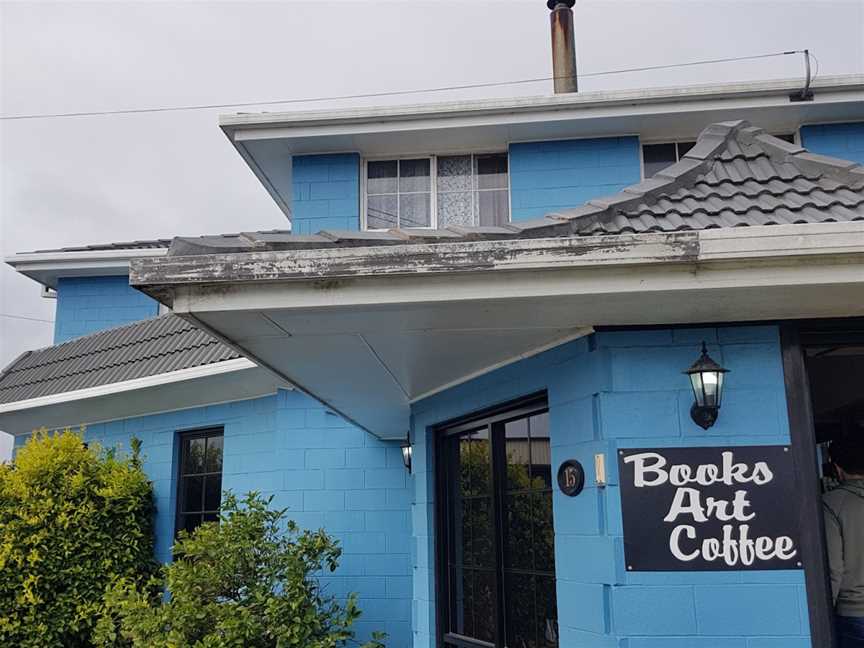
{"points": [[146, 348], [735, 176], [153, 244]]}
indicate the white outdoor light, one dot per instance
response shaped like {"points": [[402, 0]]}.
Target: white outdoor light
{"points": [[706, 378], [406, 455]]}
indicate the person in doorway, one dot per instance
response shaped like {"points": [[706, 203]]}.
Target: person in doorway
{"points": [[844, 531]]}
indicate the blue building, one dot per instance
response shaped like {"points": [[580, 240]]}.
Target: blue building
{"points": [[508, 292]]}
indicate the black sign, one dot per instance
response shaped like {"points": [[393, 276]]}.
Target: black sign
{"points": [[691, 509], [571, 477]]}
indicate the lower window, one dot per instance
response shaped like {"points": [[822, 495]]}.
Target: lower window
{"points": [[199, 487], [497, 562]]}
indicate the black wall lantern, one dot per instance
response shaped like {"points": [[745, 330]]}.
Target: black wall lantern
{"points": [[706, 377], [406, 455]]}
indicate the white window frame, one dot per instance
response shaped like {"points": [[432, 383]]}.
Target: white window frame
{"points": [[433, 179], [642, 146]]}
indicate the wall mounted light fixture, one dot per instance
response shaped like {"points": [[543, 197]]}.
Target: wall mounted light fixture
{"points": [[706, 378], [406, 455]]}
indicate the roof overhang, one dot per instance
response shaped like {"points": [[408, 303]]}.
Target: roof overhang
{"points": [[268, 140], [47, 267], [370, 330], [219, 382]]}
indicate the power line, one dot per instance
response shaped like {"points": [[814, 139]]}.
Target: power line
{"points": [[22, 317], [370, 95]]}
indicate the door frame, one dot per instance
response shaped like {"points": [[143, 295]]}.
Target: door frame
{"points": [[795, 336], [535, 402]]}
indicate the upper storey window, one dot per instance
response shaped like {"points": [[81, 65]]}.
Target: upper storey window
{"points": [[656, 157], [437, 191]]}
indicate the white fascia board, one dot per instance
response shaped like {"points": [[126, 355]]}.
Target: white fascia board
{"points": [[223, 382], [47, 267], [215, 369], [508, 106]]}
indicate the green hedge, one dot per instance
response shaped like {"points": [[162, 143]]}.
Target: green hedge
{"points": [[73, 520], [249, 581]]}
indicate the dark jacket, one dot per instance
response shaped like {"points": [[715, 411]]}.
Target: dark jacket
{"points": [[844, 532]]}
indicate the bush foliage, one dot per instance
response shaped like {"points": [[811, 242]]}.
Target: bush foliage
{"points": [[247, 582], [73, 520]]}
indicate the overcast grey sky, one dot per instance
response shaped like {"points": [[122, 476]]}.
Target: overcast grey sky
{"points": [[85, 180]]}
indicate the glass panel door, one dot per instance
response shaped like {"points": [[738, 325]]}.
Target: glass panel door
{"points": [[499, 561]]}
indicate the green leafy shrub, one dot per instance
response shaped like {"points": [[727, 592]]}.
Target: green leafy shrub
{"points": [[73, 519], [245, 582]]}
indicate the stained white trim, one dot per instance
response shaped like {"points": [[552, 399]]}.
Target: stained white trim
{"points": [[215, 369], [47, 267]]}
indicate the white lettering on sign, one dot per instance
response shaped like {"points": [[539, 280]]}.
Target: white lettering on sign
{"points": [[690, 508]]}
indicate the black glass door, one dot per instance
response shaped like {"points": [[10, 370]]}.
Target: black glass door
{"points": [[498, 559]]}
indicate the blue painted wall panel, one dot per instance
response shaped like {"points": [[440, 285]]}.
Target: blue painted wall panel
{"points": [[844, 141], [562, 174], [366, 507], [326, 192], [89, 304], [625, 389]]}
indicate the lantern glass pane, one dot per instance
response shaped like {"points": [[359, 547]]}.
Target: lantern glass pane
{"points": [[720, 375], [711, 383], [696, 381]]}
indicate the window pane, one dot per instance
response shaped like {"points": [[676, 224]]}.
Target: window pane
{"points": [[491, 171], [191, 493], [546, 611], [414, 210], [414, 175], [518, 451], [484, 606], [541, 453], [656, 157], [454, 173], [518, 542], [493, 208], [543, 532], [519, 607], [683, 147], [190, 522], [212, 492], [462, 613], [381, 176], [381, 212], [193, 455], [455, 208], [475, 464], [210, 517], [213, 460]]}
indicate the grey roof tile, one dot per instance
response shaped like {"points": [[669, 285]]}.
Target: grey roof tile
{"points": [[146, 348]]}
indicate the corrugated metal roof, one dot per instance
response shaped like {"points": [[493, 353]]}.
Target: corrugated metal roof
{"points": [[735, 176], [146, 348]]}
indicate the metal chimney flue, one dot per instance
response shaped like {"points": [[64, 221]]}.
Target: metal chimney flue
{"points": [[563, 45]]}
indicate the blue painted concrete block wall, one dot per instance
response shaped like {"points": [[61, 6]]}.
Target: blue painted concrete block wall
{"points": [[844, 141], [326, 472], [617, 390], [89, 304], [326, 193], [562, 174]]}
